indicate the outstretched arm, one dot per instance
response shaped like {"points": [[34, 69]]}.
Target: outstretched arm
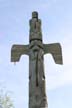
{"points": [[17, 51], [55, 50]]}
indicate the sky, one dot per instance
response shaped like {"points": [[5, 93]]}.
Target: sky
{"points": [[56, 16]]}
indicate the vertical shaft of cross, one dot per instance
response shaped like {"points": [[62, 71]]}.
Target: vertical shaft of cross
{"points": [[37, 93]]}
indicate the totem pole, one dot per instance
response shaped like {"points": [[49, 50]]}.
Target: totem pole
{"points": [[36, 50]]}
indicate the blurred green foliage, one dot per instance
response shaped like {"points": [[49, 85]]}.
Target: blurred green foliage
{"points": [[5, 99]]}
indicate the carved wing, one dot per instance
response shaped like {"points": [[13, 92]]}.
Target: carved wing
{"points": [[17, 51], [55, 50]]}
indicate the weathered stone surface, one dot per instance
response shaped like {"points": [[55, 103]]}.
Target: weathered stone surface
{"points": [[37, 93], [36, 50], [35, 28]]}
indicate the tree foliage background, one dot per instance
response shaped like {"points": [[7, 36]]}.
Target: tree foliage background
{"points": [[5, 99]]}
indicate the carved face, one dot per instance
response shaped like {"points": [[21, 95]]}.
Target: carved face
{"points": [[34, 14]]}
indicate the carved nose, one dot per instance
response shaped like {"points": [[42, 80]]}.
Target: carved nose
{"points": [[36, 55], [35, 48]]}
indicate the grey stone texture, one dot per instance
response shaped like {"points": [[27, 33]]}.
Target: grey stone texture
{"points": [[36, 50]]}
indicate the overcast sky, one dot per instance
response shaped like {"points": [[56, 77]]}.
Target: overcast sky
{"points": [[56, 16]]}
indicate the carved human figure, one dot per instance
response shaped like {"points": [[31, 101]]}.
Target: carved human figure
{"points": [[37, 93]]}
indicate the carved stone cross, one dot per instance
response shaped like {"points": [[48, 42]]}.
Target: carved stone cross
{"points": [[36, 50]]}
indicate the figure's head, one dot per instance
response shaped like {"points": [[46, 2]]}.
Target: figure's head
{"points": [[35, 14]]}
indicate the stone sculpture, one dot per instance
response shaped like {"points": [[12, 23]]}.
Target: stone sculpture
{"points": [[36, 50]]}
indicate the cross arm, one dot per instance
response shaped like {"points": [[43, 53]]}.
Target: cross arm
{"points": [[55, 50], [17, 51]]}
